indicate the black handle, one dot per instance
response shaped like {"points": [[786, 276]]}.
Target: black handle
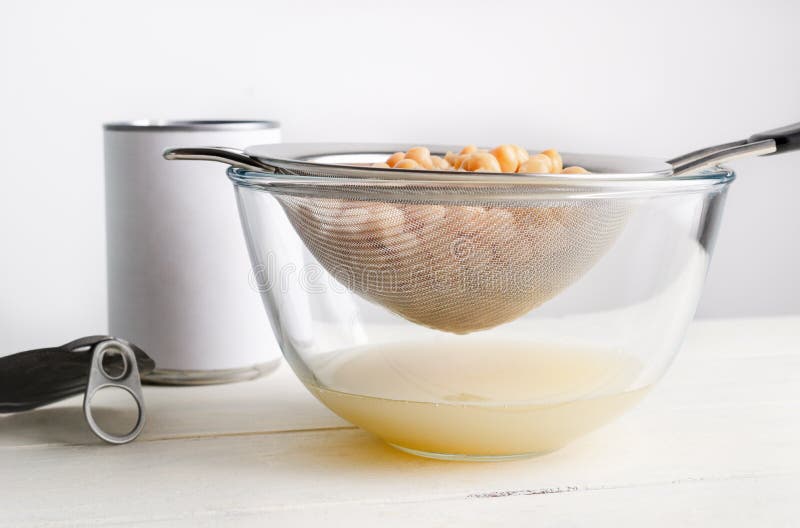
{"points": [[37, 377], [787, 138]]}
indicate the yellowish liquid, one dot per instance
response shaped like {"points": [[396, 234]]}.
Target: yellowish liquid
{"points": [[482, 399]]}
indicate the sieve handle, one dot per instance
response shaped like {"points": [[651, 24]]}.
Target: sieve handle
{"points": [[776, 141], [233, 157], [786, 138]]}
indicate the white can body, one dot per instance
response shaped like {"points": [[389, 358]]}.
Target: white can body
{"points": [[178, 272]]}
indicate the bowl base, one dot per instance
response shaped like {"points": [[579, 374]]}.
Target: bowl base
{"points": [[467, 458]]}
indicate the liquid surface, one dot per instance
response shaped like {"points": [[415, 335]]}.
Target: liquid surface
{"points": [[488, 399]]}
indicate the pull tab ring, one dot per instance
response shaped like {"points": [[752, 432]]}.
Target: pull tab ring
{"points": [[127, 379]]}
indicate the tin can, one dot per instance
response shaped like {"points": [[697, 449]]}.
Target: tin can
{"points": [[179, 280]]}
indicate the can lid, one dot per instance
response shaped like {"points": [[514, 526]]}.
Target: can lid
{"points": [[165, 125]]}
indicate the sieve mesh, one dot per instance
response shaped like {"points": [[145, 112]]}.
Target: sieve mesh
{"points": [[455, 266], [453, 250]]}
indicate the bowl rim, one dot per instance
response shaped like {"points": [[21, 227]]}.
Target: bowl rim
{"points": [[472, 193]]}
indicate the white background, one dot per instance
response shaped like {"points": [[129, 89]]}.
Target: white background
{"points": [[611, 76]]}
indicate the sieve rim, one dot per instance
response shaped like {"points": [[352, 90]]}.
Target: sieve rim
{"points": [[350, 162], [344, 170]]}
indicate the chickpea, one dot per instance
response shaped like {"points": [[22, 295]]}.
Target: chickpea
{"points": [[418, 216], [469, 149], [507, 157], [439, 163], [395, 158], [385, 221], [407, 164], [522, 154], [421, 155], [537, 164], [458, 162], [481, 161], [574, 170], [556, 160], [418, 153]]}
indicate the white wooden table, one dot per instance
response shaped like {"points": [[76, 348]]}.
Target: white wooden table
{"points": [[716, 444]]}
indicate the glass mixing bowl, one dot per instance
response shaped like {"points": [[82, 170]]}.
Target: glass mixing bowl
{"points": [[516, 389]]}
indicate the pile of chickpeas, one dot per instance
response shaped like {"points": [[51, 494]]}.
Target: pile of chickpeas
{"points": [[504, 158], [451, 266]]}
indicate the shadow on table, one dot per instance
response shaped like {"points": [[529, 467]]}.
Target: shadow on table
{"points": [[332, 448], [335, 447], [173, 413], [58, 425], [338, 447]]}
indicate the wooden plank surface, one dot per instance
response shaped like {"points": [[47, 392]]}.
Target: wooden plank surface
{"points": [[716, 443], [275, 403]]}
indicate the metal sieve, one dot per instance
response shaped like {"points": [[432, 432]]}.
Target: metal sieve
{"points": [[458, 251]]}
